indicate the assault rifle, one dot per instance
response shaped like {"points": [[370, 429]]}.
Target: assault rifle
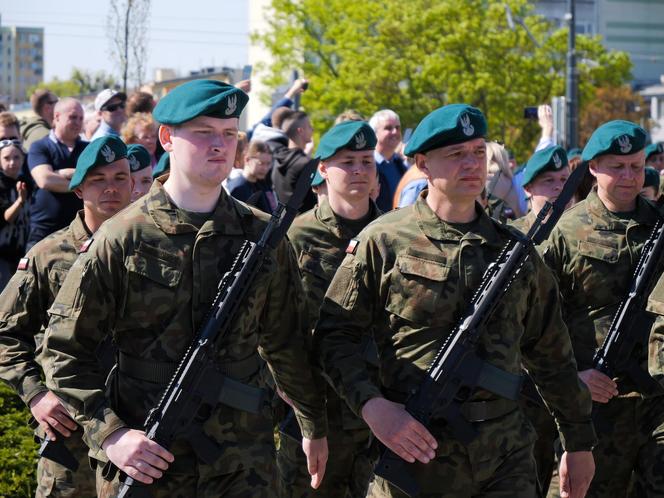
{"points": [[631, 324], [457, 370], [196, 384]]}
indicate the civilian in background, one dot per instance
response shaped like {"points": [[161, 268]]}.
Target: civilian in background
{"points": [[141, 128], [37, 127], [140, 102], [52, 161], [9, 126], [252, 186], [13, 208], [238, 162], [91, 120], [110, 105], [391, 166]]}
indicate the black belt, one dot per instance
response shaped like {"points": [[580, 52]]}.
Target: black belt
{"points": [[232, 392]]}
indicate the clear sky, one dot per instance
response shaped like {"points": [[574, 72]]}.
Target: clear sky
{"points": [[183, 34]]}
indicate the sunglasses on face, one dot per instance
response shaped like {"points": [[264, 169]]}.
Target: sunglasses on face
{"points": [[114, 107]]}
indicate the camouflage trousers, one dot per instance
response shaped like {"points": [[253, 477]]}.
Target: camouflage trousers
{"points": [[55, 480], [255, 482], [455, 476], [347, 474], [544, 452]]}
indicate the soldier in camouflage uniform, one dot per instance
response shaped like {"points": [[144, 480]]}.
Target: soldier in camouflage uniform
{"points": [[408, 277], [593, 252], [105, 187], [320, 238], [543, 178], [148, 279]]}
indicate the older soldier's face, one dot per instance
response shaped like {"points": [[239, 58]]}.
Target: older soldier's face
{"points": [[203, 149], [619, 179], [350, 174], [456, 171]]}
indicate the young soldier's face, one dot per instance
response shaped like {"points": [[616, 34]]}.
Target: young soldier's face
{"points": [[202, 149], [142, 183], [548, 185], [350, 174], [106, 190], [456, 171], [656, 161], [619, 178]]}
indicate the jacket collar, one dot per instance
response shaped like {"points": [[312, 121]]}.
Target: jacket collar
{"points": [[603, 219], [336, 224]]}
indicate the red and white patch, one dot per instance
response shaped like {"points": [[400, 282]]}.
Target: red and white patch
{"points": [[352, 246], [86, 245], [23, 264]]}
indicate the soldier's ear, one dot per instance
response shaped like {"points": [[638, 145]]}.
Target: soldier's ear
{"points": [[165, 133], [78, 192], [592, 167], [322, 167], [421, 163]]}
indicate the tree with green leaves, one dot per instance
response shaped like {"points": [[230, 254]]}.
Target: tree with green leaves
{"points": [[80, 82], [416, 56]]}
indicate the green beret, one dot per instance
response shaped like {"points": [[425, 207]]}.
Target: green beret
{"points": [[615, 137], [552, 158], [210, 98], [652, 149], [138, 157], [100, 152], [448, 125], [652, 178], [162, 166], [574, 152], [351, 135]]}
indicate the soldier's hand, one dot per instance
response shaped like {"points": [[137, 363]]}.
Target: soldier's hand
{"points": [[399, 431], [316, 452], [577, 469], [52, 416], [602, 388], [134, 454]]}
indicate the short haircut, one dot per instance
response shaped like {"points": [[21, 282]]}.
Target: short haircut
{"points": [[65, 103], [128, 132], [381, 116], [292, 122], [8, 119], [348, 115], [257, 147], [140, 102], [279, 114], [39, 98]]}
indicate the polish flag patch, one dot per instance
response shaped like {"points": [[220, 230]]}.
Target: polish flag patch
{"points": [[23, 264], [352, 246], [86, 245]]}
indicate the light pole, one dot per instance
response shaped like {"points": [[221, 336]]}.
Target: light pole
{"points": [[572, 81]]}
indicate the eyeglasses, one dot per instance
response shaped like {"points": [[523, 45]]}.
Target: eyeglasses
{"points": [[11, 142], [261, 163], [114, 107]]}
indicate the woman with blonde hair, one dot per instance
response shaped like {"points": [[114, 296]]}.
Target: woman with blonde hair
{"points": [[502, 194], [141, 128]]}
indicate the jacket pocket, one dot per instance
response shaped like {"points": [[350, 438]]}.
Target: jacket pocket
{"points": [[606, 253]]}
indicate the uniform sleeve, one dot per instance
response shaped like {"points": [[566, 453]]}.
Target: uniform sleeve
{"points": [[549, 359], [80, 318], [284, 343], [22, 314], [655, 305], [348, 311]]}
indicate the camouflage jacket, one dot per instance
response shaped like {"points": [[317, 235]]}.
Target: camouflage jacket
{"points": [[593, 254], [320, 239], [148, 279], [25, 301], [524, 223], [410, 278]]}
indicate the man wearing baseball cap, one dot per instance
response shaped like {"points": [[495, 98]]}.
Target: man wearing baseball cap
{"points": [[148, 279], [110, 105], [406, 279]]}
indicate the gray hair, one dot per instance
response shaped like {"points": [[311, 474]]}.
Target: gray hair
{"points": [[382, 115]]}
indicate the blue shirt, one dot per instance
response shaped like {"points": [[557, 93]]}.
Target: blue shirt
{"points": [[389, 174], [103, 131], [51, 211]]}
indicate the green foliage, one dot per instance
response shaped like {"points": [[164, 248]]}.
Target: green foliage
{"points": [[18, 451], [416, 56], [79, 83]]}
